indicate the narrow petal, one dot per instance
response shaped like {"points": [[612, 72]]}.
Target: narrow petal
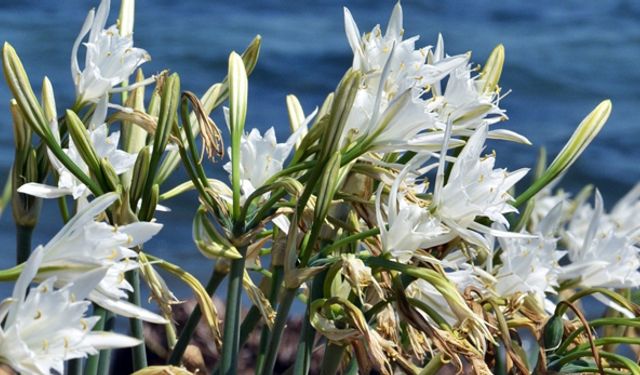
{"points": [[43, 191], [109, 340]]}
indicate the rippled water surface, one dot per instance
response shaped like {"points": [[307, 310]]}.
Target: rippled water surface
{"points": [[562, 58]]}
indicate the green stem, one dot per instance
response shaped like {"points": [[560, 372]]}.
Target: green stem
{"points": [[276, 281], [231, 335], [64, 210], [105, 355], [185, 336], [434, 365], [308, 334], [139, 352], [276, 334], [332, 358], [75, 367], [93, 361], [23, 242]]}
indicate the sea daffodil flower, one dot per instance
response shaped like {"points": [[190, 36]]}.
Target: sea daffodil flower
{"points": [[48, 326], [84, 245], [110, 57]]}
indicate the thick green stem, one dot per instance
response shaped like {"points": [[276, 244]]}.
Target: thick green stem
{"points": [[92, 362], [308, 334], [105, 355], [332, 358], [23, 242], [231, 335], [434, 365], [276, 334], [276, 281], [185, 336], [139, 352], [75, 367]]}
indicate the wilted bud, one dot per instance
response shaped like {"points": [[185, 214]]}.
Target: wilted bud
{"points": [[492, 70], [82, 141], [208, 239], [160, 292], [259, 300], [140, 172]]}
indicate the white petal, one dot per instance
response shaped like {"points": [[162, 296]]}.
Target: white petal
{"points": [[109, 340], [43, 191], [140, 232], [126, 308]]}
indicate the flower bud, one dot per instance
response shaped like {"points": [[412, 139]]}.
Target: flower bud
{"points": [[492, 70], [340, 109], [109, 174], [82, 141], [140, 172]]}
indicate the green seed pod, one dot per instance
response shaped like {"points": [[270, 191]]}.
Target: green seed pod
{"points": [[553, 332]]}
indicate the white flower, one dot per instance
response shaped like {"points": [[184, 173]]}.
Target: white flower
{"points": [[600, 257], [105, 145], [389, 106], [84, 245], [110, 57], [261, 157], [474, 189], [625, 215], [46, 327], [530, 265], [410, 226]]}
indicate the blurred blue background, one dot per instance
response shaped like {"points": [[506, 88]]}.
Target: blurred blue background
{"points": [[562, 58]]}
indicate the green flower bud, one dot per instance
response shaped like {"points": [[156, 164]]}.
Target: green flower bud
{"points": [[553, 332]]}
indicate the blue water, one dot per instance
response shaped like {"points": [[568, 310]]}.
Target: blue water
{"points": [[562, 58]]}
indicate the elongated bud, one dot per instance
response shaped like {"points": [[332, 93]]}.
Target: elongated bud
{"points": [[26, 208], [134, 137], [581, 138], [49, 106], [126, 17], [493, 69], [238, 92], [251, 54], [18, 83], [211, 243], [140, 171], [340, 108], [81, 139], [296, 116], [21, 131], [109, 174], [328, 187]]}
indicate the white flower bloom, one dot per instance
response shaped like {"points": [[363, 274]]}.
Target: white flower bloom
{"points": [[530, 265], [600, 257], [261, 157], [110, 57], [84, 245], [106, 146], [46, 327], [625, 215], [410, 226], [388, 106], [474, 189]]}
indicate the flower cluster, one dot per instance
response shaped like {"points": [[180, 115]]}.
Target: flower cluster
{"points": [[383, 212]]}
